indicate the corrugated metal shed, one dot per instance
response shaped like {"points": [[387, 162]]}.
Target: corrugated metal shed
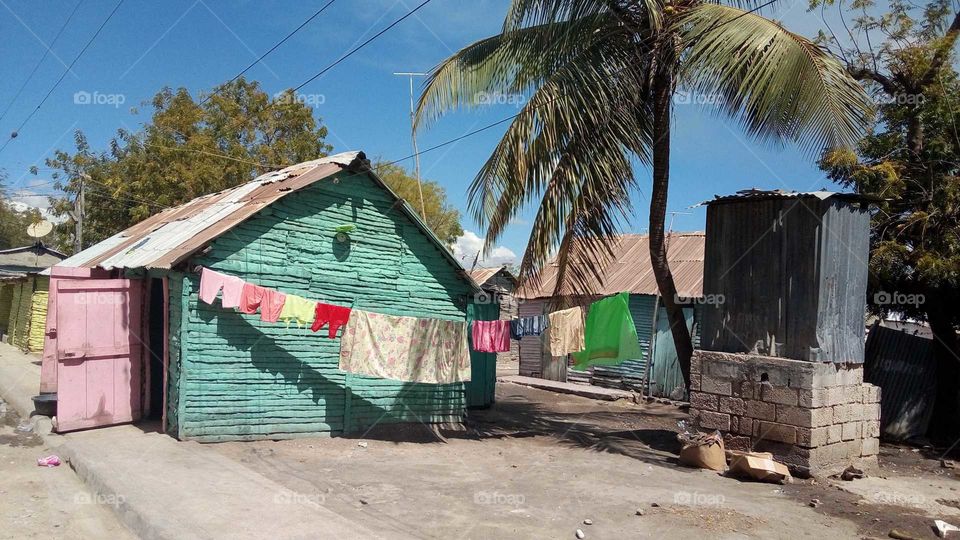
{"points": [[631, 271], [902, 365], [171, 236], [791, 270]]}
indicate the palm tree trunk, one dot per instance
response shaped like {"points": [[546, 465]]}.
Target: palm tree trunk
{"points": [[663, 93]]}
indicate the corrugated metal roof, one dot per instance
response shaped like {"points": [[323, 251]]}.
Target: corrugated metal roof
{"points": [[171, 236], [482, 275], [761, 194], [631, 271]]}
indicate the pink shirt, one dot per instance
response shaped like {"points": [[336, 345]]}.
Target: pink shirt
{"points": [[491, 336]]}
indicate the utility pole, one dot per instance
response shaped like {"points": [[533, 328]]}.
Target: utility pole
{"points": [[413, 138], [78, 214]]}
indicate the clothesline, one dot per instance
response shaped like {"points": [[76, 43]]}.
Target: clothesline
{"points": [[373, 344]]}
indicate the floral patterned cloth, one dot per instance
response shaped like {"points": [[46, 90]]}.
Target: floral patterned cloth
{"points": [[405, 348]]}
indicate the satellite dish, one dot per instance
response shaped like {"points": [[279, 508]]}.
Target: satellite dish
{"points": [[40, 229]]}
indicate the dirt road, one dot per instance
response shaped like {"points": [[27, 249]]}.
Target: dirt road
{"points": [[538, 464], [45, 503]]}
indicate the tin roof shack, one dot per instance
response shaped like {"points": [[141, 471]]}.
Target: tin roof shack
{"points": [[499, 286], [23, 294], [781, 368], [132, 340], [630, 271]]}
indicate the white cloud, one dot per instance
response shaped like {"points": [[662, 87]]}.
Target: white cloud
{"points": [[466, 247]]}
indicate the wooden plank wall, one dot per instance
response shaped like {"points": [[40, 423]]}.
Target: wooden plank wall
{"points": [[240, 378]]}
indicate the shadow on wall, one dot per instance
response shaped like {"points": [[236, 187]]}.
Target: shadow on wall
{"points": [[400, 401]]}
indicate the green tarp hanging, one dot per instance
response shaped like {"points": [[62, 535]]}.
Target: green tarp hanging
{"points": [[610, 336]]}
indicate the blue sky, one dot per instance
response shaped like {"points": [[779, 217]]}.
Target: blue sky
{"points": [[200, 43]]}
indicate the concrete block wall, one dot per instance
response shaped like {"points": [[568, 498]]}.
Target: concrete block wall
{"points": [[817, 418]]}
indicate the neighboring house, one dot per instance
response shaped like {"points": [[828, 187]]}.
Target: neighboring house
{"points": [[499, 285], [24, 282], [126, 314], [630, 271]]}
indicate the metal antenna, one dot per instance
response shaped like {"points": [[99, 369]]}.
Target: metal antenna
{"points": [[413, 139]]}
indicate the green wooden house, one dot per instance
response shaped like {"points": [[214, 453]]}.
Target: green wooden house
{"points": [[329, 230]]}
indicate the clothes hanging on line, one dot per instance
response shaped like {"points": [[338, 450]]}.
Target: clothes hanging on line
{"points": [[610, 336], [211, 282], [528, 326], [335, 316], [250, 298], [405, 348], [272, 305], [491, 336], [565, 331], [298, 309]]}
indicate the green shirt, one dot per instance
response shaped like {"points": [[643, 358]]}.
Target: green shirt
{"points": [[610, 336]]}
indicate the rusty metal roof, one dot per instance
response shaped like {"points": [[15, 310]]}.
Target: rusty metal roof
{"points": [[171, 236], [631, 271], [481, 275]]}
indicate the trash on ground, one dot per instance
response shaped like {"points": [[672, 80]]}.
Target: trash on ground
{"points": [[758, 466], [588, 522], [943, 527], [25, 426], [49, 461], [704, 451], [902, 535], [852, 473], [362, 444], [580, 534], [948, 464]]}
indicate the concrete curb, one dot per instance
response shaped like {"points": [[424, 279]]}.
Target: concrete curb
{"points": [[582, 390]]}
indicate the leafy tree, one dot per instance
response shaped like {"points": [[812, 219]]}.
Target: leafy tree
{"points": [[597, 79], [14, 223], [441, 217], [911, 160], [179, 155]]}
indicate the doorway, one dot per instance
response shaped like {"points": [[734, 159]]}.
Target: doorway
{"points": [[156, 347]]}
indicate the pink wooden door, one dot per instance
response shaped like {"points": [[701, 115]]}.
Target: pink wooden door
{"points": [[99, 352]]}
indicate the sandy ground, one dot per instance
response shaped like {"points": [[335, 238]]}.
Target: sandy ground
{"points": [[40, 502], [538, 464]]}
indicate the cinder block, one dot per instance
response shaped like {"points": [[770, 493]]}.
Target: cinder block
{"points": [[835, 395], [745, 389], [834, 433], [703, 401], [853, 394], [777, 432], [696, 364], [714, 420], [871, 412], [825, 376], [851, 431], [795, 416], [816, 397], [850, 412], [870, 447], [745, 426], [812, 437], [724, 369], [778, 394], [761, 410], [871, 428], [732, 405], [734, 424], [694, 382], [713, 385], [821, 417]]}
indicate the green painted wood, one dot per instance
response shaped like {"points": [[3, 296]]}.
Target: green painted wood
{"points": [[483, 366], [242, 379]]}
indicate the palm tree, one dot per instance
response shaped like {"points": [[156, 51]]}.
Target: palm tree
{"points": [[599, 77]]}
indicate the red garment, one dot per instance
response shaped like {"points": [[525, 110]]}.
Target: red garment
{"points": [[250, 298], [491, 336], [337, 316], [272, 305]]}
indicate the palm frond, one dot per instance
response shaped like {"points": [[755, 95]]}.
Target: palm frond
{"points": [[778, 85]]}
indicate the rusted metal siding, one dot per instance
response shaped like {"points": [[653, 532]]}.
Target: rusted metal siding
{"points": [[791, 273], [631, 270], [531, 347], [902, 365]]}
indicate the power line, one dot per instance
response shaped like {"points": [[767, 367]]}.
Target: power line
{"points": [[56, 84], [42, 58], [264, 55], [362, 45]]}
